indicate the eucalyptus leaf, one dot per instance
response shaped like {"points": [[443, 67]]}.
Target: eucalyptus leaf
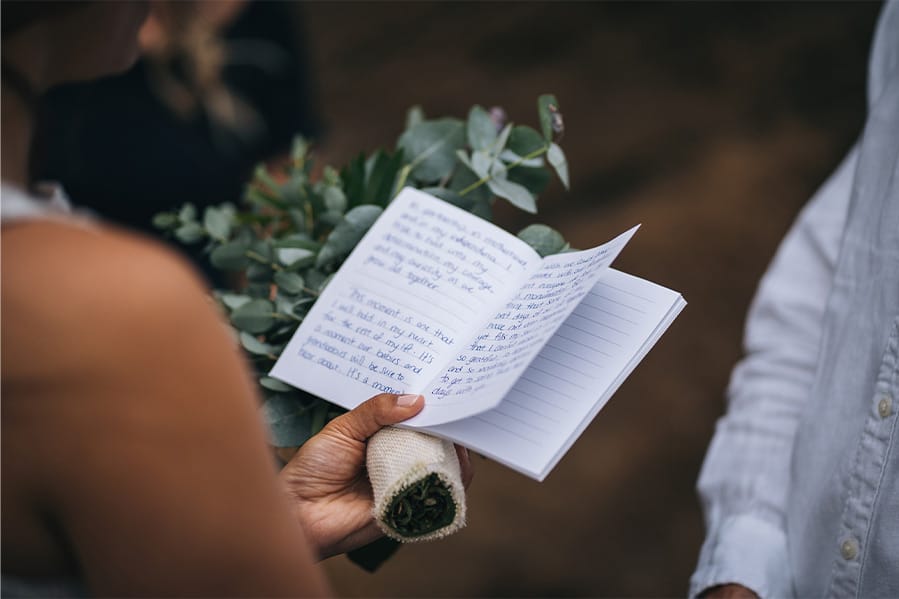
{"points": [[430, 147], [293, 191], [295, 257], [448, 195], [524, 140], [259, 197], [297, 240], [556, 157], [255, 346], [233, 301], [255, 316], [288, 420], [347, 234], [261, 175], [414, 116], [259, 273], [482, 208], [511, 157], [353, 177], [261, 251], [535, 179], [334, 199], [381, 172], [188, 213], [273, 384], [190, 232], [230, 256], [165, 220], [217, 223], [545, 240], [518, 195], [315, 279], [299, 149], [480, 128], [501, 140], [464, 179], [547, 108], [289, 281], [481, 161], [463, 157]]}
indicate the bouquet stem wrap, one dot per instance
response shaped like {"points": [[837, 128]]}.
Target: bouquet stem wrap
{"points": [[417, 484]]}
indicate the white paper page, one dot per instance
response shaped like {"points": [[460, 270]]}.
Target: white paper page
{"points": [[426, 275], [487, 367], [573, 377]]}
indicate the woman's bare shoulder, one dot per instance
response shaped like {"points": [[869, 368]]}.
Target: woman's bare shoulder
{"points": [[90, 289]]}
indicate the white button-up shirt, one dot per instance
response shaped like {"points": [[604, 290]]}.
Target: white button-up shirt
{"points": [[801, 483]]}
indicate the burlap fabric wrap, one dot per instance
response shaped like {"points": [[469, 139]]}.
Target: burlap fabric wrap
{"points": [[399, 460]]}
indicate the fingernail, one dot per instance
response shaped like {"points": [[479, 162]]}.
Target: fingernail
{"points": [[407, 400]]}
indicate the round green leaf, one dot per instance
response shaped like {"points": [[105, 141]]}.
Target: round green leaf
{"points": [[481, 162], [217, 223], [230, 256], [347, 234], [523, 140], [273, 384], [190, 232], [232, 301], [518, 195], [255, 346], [414, 116], [255, 316], [334, 199], [165, 220], [295, 257], [290, 282], [480, 128], [545, 240], [430, 147], [187, 213], [288, 420], [448, 195], [298, 240]]}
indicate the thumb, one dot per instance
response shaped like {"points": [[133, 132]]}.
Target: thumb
{"points": [[382, 410]]}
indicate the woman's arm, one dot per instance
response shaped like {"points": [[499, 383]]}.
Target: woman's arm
{"points": [[139, 423]]}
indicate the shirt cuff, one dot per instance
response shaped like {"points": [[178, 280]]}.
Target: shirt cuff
{"points": [[748, 551]]}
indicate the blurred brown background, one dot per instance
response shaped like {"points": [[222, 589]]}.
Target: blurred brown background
{"points": [[711, 124]]}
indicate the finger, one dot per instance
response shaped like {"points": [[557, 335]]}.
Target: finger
{"points": [[465, 465], [381, 410]]}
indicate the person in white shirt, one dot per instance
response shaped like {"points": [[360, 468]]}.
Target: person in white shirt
{"points": [[801, 482]]}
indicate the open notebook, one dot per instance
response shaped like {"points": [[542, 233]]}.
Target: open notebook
{"points": [[514, 353]]}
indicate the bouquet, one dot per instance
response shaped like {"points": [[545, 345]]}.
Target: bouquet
{"points": [[294, 231]]}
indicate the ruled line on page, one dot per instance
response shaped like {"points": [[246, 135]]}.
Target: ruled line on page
{"points": [[584, 304], [517, 389], [565, 351], [484, 419], [600, 323], [528, 408], [599, 351], [625, 291]]}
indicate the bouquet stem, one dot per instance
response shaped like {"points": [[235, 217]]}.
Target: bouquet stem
{"points": [[417, 484]]}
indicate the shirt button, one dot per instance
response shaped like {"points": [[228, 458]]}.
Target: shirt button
{"points": [[885, 406], [849, 549]]}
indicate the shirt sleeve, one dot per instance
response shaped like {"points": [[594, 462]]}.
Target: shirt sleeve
{"points": [[746, 474]]}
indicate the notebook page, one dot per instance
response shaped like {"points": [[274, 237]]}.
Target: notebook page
{"points": [[423, 280], [572, 377], [489, 364]]}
